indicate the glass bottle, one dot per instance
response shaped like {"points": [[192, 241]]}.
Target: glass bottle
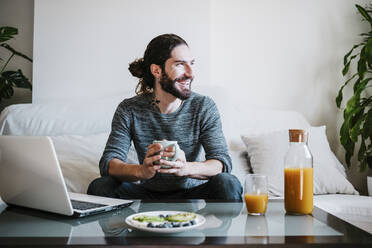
{"points": [[298, 174]]}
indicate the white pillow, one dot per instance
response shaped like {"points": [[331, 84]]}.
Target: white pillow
{"points": [[267, 151], [79, 158], [240, 166]]}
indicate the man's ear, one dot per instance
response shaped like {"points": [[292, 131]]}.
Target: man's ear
{"points": [[155, 70]]}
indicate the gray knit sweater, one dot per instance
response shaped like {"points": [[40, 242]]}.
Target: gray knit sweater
{"points": [[195, 124]]}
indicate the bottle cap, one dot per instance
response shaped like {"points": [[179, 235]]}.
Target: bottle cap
{"points": [[297, 135]]}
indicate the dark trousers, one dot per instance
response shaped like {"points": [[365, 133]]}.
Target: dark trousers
{"points": [[222, 186]]}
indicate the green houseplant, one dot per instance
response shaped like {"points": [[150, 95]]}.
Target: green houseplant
{"points": [[357, 124], [11, 78]]}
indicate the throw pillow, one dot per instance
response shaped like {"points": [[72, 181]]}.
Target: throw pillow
{"points": [[267, 152]]}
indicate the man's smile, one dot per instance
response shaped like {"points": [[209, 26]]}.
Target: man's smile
{"points": [[184, 83]]}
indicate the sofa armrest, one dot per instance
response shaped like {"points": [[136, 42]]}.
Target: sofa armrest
{"points": [[58, 119]]}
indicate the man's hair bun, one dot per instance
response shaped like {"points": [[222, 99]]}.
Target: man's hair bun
{"points": [[137, 68]]}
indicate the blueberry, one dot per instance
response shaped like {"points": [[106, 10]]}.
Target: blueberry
{"points": [[192, 222], [161, 216], [168, 225], [186, 224], [161, 226], [150, 224], [176, 224]]}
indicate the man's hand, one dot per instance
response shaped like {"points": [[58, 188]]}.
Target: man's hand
{"points": [[148, 168], [178, 167], [170, 152]]}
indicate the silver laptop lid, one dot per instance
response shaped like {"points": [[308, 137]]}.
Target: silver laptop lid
{"points": [[30, 174]]}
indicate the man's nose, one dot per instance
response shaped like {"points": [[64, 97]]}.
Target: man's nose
{"points": [[189, 71]]}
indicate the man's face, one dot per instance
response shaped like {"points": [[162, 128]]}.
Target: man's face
{"points": [[178, 73]]}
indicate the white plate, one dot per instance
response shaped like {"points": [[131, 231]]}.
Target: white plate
{"points": [[143, 225]]}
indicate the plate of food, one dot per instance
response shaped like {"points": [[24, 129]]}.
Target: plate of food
{"points": [[165, 221]]}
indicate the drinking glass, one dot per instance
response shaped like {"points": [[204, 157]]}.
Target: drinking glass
{"points": [[256, 194]]}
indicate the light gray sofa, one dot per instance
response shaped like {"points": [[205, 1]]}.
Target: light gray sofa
{"points": [[79, 133]]}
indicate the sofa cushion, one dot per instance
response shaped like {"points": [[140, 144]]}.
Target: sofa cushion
{"points": [[79, 156], [267, 152]]}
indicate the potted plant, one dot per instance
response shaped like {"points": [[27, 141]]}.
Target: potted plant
{"points": [[357, 124], [11, 78]]}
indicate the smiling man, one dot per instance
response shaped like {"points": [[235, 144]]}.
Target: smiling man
{"points": [[165, 108]]}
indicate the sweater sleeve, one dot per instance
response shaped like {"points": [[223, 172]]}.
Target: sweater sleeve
{"points": [[119, 140], [211, 136]]}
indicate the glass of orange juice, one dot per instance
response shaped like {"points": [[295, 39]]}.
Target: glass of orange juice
{"points": [[256, 194]]}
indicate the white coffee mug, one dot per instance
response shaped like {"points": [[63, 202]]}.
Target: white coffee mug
{"points": [[165, 144]]}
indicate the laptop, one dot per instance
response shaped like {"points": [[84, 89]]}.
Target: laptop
{"points": [[30, 176]]}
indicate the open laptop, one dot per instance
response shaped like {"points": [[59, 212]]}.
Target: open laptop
{"points": [[30, 176]]}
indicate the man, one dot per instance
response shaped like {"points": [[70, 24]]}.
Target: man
{"points": [[166, 108]]}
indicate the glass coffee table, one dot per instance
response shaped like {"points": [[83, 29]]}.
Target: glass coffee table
{"points": [[227, 224]]}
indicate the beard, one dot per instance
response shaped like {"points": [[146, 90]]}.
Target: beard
{"points": [[169, 85]]}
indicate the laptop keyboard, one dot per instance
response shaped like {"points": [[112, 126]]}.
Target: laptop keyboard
{"points": [[81, 205]]}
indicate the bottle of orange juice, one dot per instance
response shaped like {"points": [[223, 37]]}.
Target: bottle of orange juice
{"points": [[298, 174]]}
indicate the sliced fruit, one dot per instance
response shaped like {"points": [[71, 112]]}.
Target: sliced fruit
{"points": [[181, 217], [147, 218]]}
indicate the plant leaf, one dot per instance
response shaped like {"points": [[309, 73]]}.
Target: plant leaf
{"points": [[363, 165], [346, 67], [369, 34], [364, 13], [348, 54], [368, 53], [367, 127], [344, 133], [351, 107], [15, 52], [349, 148], [3, 84], [356, 130], [362, 150], [7, 33], [339, 95], [16, 78], [6, 91], [364, 156], [362, 67], [359, 86]]}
